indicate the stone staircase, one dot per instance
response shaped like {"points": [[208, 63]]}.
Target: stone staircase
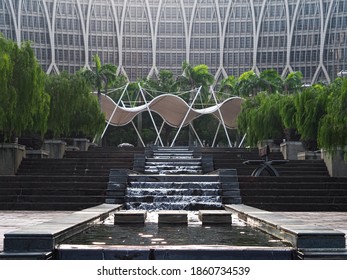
{"points": [[180, 160], [303, 185], [82, 179], [76, 182], [173, 192]]}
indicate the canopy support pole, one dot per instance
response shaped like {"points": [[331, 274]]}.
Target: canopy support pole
{"points": [[114, 111], [243, 139], [160, 130], [138, 134], [150, 114], [196, 134], [221, 117], [215, 136], [185, 117]]}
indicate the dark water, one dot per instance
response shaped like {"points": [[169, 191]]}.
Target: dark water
{"points": [[152, 234]]}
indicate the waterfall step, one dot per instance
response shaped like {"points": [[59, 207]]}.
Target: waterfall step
{"points": [[173, 198], [174, 170], [173, 154], [191, 178], [178, 186], [189, 206], [172, 191], [180, 161]]}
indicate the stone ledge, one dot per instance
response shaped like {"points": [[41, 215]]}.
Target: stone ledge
{"points": [[172, 217], [130, 216], [188, 252], [45, 236], [215, 217], [296, 232]]}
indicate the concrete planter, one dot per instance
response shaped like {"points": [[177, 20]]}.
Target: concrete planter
{"points": [[11, 155], [290, 149], [307, 155], [36, 154], [268, 142], [56, 148], [81, 143], [335, 163]]}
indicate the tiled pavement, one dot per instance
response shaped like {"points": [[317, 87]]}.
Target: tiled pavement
{"points": [[332, 220], [13, 220]]}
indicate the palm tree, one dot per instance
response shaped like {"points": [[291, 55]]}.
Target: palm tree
{"points": [[270, 81], [164, 84], [247, 83], [292, 82], [228, 85], [194, 77], [102, 75]]}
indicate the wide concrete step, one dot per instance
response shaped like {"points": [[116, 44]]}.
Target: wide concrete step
{"points": [[52, 185], [287, 179], [336, 199], [299, 207], [289, 186], [66, 172], [293, 192], [52, 178], [17, 192], [49, 206]]}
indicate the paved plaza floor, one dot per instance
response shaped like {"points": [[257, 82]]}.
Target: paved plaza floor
{"points": [[13, 220]]}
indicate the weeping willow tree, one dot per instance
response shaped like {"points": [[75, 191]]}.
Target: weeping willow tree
{"points": [[288, 117], [24, 104], [74, 110], [310, 106], [332, 132], [260, 118]]}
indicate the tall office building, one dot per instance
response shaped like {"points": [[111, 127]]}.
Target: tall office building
{"points": [[145, 36]]}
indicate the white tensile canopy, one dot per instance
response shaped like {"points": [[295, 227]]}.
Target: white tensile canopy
{"points": [[173, 110]]}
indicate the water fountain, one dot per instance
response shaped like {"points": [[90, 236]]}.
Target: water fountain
{"points": [[175, 208]]}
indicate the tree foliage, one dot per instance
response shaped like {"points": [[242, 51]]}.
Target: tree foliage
{"points": [[270, 81], [310, 106], [166, 83], [332, 132], [260, 118], [74, 109], [194, 77], [23, 101], [102, 75]]}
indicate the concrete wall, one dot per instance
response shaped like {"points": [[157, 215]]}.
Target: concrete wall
{"points": [[335, 163]]}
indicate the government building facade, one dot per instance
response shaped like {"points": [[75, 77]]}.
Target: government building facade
{"points": [[142, 37]]}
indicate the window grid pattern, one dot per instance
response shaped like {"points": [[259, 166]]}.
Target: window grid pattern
{"points": [[144, 36]]}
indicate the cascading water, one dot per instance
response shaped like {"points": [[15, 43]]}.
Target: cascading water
{"points": [[174, 181]]}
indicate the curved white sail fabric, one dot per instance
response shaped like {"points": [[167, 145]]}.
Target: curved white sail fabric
{"points": [[173, 109]]}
